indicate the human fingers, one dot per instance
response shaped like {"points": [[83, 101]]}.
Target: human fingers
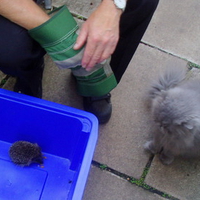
{"points": [[94, 58], [109, 50], [91, 54], [103, 50], [82, 37]]}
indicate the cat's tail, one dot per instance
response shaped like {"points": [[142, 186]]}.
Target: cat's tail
{"points": [[171, 77]]}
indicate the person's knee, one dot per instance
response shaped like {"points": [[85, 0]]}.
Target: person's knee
{"points": [[146, 5], [17, 47], [151, 4], [13, 58]]}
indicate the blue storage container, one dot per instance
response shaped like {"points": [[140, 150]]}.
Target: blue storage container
{"points": [[67, 137]]}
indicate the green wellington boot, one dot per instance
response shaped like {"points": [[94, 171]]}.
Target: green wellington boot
{"points": [[58, 36]]}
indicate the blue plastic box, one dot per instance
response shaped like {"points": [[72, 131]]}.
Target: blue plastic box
{"points": [[67, 137]]}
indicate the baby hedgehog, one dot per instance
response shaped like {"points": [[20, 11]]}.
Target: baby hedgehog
{"points": [[24, 153]]}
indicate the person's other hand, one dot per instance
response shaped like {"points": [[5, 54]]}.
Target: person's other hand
{"points": [[100, 34]]}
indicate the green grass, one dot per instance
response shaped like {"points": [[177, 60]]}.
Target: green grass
{"points": [[80, 17], [3, 81], [138, 182], [193, 65]]}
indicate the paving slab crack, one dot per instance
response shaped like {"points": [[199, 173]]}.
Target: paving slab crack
{"points": [[193, 65], [138, 182], [163, 50], [77, 16], [4, 80]]}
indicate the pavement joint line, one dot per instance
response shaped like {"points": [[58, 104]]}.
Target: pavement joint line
{"points": [[138, 182], [192, 65], [78, 16], [165, 51], [4, 80]]}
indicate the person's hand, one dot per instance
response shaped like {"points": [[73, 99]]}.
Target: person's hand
{"points": [[100, 33]]}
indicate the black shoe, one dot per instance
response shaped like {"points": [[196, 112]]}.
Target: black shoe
{"points": [[23, 88], [30, 81], [101, 107]]}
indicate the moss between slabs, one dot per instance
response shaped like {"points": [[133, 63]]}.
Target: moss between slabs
{"points": [[139, 182]]}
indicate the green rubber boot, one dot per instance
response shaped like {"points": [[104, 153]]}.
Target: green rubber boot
{"points": [[58, 36]]}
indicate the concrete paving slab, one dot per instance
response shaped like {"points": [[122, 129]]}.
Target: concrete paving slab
{"points": [[81, 7], [181, 178], [175, 27], [9, 84], [121, 141], [194, 73], [58, 3], [59, 86], [1, 75], [103, 185]]}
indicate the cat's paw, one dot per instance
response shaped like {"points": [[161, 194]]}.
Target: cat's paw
{"points": [[149, 146], [166, 159]]}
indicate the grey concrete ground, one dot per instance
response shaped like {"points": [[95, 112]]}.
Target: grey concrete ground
{"points": [[121, 170]]}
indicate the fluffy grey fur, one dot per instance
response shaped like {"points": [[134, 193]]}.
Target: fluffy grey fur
{"points": [[175, 108]]}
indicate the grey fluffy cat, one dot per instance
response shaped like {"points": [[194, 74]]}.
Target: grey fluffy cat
{"points": [[175, 108]]}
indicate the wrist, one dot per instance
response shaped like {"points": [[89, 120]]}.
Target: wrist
{"points": [[119, 4], [110, 5]]}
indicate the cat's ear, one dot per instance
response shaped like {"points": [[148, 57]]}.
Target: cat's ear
{"points": [[188, 126], [177, 122]]}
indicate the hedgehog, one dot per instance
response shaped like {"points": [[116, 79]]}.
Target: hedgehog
{"points": [[24, 153]]}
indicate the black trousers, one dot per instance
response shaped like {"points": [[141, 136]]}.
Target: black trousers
{"points": [[134, 22], [21, 56]]}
